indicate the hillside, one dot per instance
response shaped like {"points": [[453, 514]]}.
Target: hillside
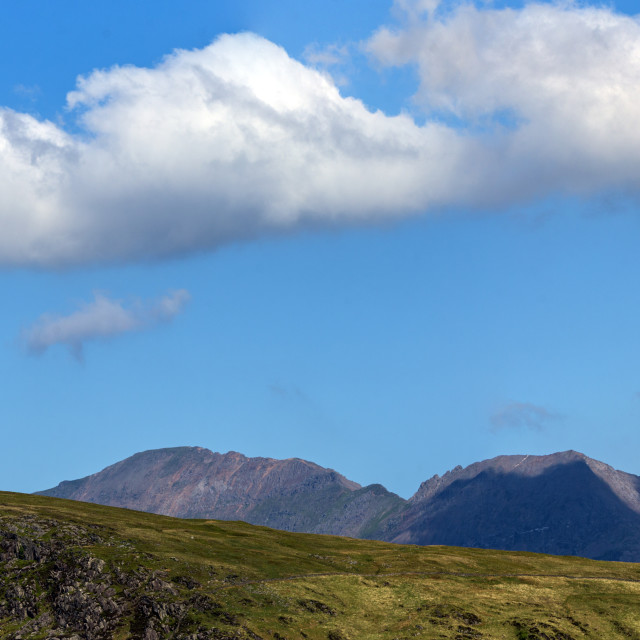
{"points": [[70, 569], [563, 503]]}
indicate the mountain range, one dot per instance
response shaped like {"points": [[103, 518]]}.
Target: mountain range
{"points": [[564, 503]]}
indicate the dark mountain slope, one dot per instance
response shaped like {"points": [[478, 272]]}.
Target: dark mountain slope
{"points": [[564, 503]]}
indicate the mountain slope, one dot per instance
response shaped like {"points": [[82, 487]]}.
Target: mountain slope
{"points": [[192, 482], [563, 503]]}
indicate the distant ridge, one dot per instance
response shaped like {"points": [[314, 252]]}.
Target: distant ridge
{"points": [[193, 482], [564, 503]]}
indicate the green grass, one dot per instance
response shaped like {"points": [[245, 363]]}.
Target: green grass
{"points": [[291, 585]]}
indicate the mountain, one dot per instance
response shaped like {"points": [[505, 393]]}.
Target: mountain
{"points": [[563, 503], [192, 482], [83, 571]]}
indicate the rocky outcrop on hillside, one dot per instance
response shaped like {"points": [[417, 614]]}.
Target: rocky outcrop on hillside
{"points": [[52, 585], [564, 503]]}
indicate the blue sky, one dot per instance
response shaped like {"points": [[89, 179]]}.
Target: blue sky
{"points": [[388, 238]]}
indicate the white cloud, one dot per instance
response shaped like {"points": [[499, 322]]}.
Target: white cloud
{"points": [[565, 78], [238, 140], [210, 147], [101, 319], [519, 415]]}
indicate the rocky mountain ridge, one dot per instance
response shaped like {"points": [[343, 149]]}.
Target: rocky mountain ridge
{"points": [[564, 503], [625, 485], [193, 482]]}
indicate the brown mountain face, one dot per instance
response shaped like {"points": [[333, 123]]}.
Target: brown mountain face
{"points": [[192, 482], [564, 503]]}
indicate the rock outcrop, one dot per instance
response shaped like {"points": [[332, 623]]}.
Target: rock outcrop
{"points": [[53, 586]]}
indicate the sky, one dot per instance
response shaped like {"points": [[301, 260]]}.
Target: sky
{"points": [[390, 237]]}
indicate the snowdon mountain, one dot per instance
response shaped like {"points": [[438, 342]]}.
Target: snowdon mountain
{"points": [[563, 503]]}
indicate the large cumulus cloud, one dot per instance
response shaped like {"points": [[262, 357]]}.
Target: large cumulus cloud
{"points": [[211, 146], [237, 139]]}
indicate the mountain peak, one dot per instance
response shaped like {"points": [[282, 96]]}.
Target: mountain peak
{"points": [[193, 482], [523, 464]]}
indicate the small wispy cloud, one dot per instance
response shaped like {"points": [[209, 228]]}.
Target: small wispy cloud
{"points": [[101, 319], [326, 56], [287, 393], [522, 415], [25, 91], [334, 60]]}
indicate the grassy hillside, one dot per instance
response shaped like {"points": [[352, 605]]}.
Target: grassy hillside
{"points": [[69, 568]]}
